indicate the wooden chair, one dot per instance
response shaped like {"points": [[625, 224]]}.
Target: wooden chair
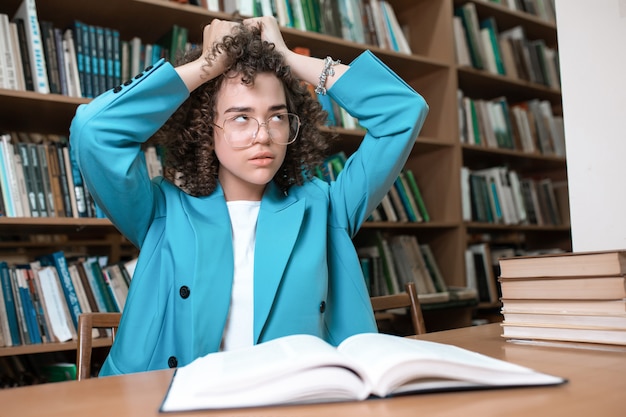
{"points": [[406, 299], [86, 323]]}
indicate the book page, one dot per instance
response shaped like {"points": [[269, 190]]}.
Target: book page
{"points": [[396, 364], [291, 369]]}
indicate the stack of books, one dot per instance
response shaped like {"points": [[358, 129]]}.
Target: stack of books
{"points": [[571, 297]]}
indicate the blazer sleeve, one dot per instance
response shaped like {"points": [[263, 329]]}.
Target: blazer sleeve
{"points": [[106, 137], [392, 114]]}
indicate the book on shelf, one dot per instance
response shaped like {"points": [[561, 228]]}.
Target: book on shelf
{"points": [[461, 48], [56, 310], [501, 195], [469, 17], [12, 338], [305, 369], [394, 261], [70, 63], [10, 70], [588, 263], [39, 155], [27, 13], [51, 55], [406, 199], [480, 269], [29, 179], [30, 308], [488, 37], [18, 60], [329, 16], [417, 194], [60, 58], [59, 261]]}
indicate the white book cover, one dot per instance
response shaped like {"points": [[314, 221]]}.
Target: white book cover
{"points": [[9, 70], [17, 55], [28, 12], [10, 173], [71, 65]]}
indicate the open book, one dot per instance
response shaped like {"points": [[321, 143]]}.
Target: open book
{"points": [[305, 369]]}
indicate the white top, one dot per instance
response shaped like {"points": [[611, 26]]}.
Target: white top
{"points": [[239, 328]]}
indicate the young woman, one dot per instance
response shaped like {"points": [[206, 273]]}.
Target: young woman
{"points": [[240, 243]]}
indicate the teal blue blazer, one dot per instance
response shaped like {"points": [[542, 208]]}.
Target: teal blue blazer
{"points": [[307, 276]]}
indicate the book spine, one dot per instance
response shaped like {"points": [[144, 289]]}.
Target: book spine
{"points": [[76, 33], [57, 259], [28, 12], [42, 205], [9, 304], [11, 172], [51, 56], [404, 198], [58, 41], [7, 197], [28, 306], [105, 289], [22, 322], [29, 178], [36, 296], [101, 59], [63, 181], [27, 70]]}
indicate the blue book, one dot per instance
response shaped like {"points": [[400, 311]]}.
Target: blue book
{"points": [[105, 289], [28, 308], [83, 59], [96, 288], [9, 304], [58, 260], [33, 300], [405, 199]]}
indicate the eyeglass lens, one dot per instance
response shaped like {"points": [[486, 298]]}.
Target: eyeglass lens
{"points": [[242, 130]]}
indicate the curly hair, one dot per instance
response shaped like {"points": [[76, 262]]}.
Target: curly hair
{"points": [[187, 137]]}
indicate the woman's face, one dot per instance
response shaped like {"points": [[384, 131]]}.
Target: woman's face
{"points": [[244, 172]]}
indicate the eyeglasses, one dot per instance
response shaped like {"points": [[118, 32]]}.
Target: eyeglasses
{"points": [[241, 131]]}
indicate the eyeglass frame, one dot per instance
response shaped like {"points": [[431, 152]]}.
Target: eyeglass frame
{"points": [[265, 124]]}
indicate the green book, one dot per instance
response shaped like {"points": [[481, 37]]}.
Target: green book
{"points": [[419, 200], [490, 24]]}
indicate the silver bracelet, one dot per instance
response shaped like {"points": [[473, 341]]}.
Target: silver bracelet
{"points": [[328, 70]]}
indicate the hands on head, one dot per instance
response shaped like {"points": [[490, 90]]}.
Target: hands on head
{"points": [[197, 72]]}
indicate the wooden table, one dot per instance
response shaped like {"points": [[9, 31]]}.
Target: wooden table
{"points": [[596, 388]]}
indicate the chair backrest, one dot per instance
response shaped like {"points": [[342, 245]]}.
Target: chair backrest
{"points": [[403, 300], [86, 323]]}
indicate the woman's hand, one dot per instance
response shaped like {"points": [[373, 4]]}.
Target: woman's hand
{"points": [[270, 32], [304, 67], [197, 72]]}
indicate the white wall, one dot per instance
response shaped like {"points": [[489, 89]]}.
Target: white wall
{"points": [[592, 51]]}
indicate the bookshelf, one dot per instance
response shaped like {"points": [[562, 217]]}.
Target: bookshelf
{"points": [[436, 159]]}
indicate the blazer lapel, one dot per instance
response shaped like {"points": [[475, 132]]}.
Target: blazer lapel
{"points": [[278, 226]]}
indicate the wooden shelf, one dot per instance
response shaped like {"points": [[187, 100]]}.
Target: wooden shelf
{"points": [[482, 84], [51, 113], [477, 157], [49, 347], [534, 27], [45, 225]]}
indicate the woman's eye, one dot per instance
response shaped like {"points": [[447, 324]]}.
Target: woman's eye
{"points": [[241, 118]]}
